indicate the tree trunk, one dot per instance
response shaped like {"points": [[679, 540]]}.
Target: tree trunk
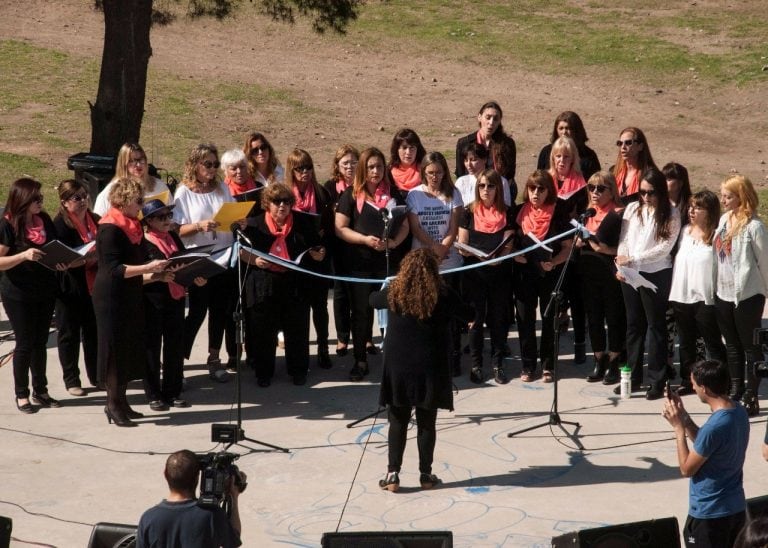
{"points": [[117, 115]]}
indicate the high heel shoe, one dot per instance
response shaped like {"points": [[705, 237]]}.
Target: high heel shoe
{"points": [[131, 414], [118, 420]]}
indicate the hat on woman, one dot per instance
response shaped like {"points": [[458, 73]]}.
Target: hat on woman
{"points": [[153, 207]]}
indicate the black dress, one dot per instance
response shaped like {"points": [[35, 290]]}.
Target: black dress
{"points": [[119, 306]]}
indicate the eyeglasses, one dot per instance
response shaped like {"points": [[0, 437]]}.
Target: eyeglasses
{"points": [[282, 201], [597, 188], [537, 188], [649, 193], [303, 169], [137, 161], [38, 198], [78, 197], [209, 165], [163, 217], [627, 142], [695, 207], [260, 148], [483, 186]]}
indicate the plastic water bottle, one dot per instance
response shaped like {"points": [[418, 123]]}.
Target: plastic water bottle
{"points": [[626, 382]]}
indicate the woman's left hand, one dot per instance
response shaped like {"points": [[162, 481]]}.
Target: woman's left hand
{"points": [[622, 260], [61, 267], [547, 266], [440, 250], [200, 281], [317, 253]]}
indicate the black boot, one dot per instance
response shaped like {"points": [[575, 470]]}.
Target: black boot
{"points": [[751, 384], [737, 388], [601, 364], [612, 375]]}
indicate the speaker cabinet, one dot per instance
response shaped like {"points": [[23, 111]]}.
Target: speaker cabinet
{"points": [[6, 525], [656, 533], [385, 539], [113, 535]]}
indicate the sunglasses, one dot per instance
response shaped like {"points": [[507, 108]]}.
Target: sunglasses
{"points": [[163, 217], [137, 161], [209, 165], [78, 197], [648, 193], [597, 188], [627, 142], [537, 188], [38, 198], [483, 186], [303, 168], [258, 149], [282, 201]]}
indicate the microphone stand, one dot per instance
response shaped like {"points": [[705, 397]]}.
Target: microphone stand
{"points": [[237, 316], [387, 220], [554, 304]]}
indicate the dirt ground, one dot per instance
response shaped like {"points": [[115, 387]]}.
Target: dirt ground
{"points": [[364, 96]]}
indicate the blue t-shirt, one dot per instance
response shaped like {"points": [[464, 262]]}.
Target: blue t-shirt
{"points": [[717, 488], [185, 525]]}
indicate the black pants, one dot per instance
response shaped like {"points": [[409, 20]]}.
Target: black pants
{"points": [[531, 290], [713, 533], [76, 323], [164, 332], [341, 311], [217, 299], [362, 313], [317, 294], [488, 294], [575, 301], [604, 304], [694, 321], [426, 436], [738, 324], [30, 322], [646, 311]]}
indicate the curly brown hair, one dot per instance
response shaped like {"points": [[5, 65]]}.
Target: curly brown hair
{"points": [[415, 290]]}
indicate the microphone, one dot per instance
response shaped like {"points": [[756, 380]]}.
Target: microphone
{"points": [[235, 228], [591, 212]]}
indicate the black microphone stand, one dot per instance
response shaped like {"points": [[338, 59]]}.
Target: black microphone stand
{"points": [[554, 304], [387, 220], [239, 435]]}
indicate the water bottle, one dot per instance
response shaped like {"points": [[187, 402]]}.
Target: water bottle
{"points": [[626, 382]]}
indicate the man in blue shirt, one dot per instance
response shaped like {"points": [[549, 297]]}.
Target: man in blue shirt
{"points": [[716, 507], [180, 521]]}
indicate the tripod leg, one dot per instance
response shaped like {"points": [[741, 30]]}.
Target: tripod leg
{"points": [[368, 416]]}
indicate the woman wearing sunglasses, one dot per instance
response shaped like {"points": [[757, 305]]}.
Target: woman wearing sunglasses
{"points": [[263, 164], [535, 275], [649, 230], [76, 225], [569, 124], [132, 162], [633, 160], [485, 226], [198, 199], [277, 297], [600, 289], [313, 200], [28, 289]]}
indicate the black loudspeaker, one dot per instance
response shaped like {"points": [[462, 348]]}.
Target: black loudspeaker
{"points": [[757, 507], [655, 533], [113, 535], [385, 539], [6, 524]]}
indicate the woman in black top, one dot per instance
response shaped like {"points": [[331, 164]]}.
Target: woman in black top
{"points": [[28, 289], [117, 298], [342, 176], [601, 290], [360, 225], [417, 370], [486, 225], [536, 273], [76, 225], [277, 297], [569, 124]]}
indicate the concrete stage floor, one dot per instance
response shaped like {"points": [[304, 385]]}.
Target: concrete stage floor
{"points": [[63, 470]]}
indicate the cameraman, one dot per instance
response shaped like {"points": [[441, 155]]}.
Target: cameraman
{"points": [[179, 521]]}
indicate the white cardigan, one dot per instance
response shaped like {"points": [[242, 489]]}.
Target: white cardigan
{"points": [[638, 239]]}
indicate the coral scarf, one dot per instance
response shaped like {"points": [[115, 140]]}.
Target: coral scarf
{"points": [[305, 201], [380, 197], [593, 223], [572, 183], [535, 221], [131, 227], [235, 189], [87, 233], [488, 220], [628, 189], [341, 186], [406, 177], [35, 230], [279, 247], [167, 247]]}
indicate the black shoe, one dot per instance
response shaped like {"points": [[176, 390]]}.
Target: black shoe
{"points": [[685, 390], [324, 360], [371, 349], [579, 353], [158, 405], [119, 420], [131, 414], [358, 371], [232, 365], [178, 402], [654, 394], [390, 483], [737, 389], [499, 376], [598, 373], [44, 400], [299, 380], [263, 382], [428, 481], [26, 408], [476, 374], [342, 348], [633, 387]]}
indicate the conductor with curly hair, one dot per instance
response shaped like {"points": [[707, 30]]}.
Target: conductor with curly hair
{"points": [[416, 358]]}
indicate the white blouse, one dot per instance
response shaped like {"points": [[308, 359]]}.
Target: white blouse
{"points": [[192, 207], [694, 271], [638, 239], [101, 205]]}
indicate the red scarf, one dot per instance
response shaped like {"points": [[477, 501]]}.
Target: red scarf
{"points": [[279, 247], [572, 183], [488, 219], [627, 189], [593, 223], [305, 201], [380, 197], [235, 189], [341, 186], [35, 230], [87, 232], [167, 246], [406, 177], [131, 227], [535, 220]]}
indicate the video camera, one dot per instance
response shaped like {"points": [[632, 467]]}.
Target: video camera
{"points": [[760, 336], [215, 471]]}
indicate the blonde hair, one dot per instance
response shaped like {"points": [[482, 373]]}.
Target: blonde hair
{"points": [[124, 157], [568, 145], [196, 155], [742, 187], [125, 191]]}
